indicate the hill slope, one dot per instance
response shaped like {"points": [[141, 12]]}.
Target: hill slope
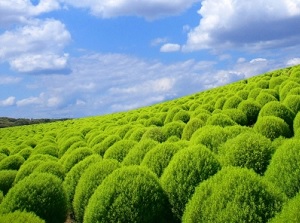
{"points": [[229, 154]]}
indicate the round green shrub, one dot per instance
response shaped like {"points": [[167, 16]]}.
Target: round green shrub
{"points": [[171, 113], [129, 194], [236, 115], [243, 94], [210, 136], [138, 152], [272, 127], [2, 156], [254, 93], [20, 217], [293, 103], [290, 211], [182, 115], [12, 162], [158, 158], [5, 151], [88, 183], [276, 81], [173, 129], [232, 102], [193, 125], [97, 139], [69, 160], [64, 146], [52, 167], [284, 168], [137, 134], [50, 150], [277, 109], [264, 98], [296, 124], [220, 103], [7, 178], [286, 87], [250, 150], [251, 108], [186, 170], [154, 121], [234, 195], [264, 84], [155, 133], [220, 119], [40, 193], [72, 177], [26, 152], [105, 144], [119, 150]]}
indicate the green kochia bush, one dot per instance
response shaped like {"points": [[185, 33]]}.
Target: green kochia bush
{"points": [[221, 120], [234, 195], [137, 153], [251, 108], [193, 125], [236, 115], [40, 193], [20, 217], [272, 127], [173, 129], [88, 183], [119, 150], [155, 133], [293, 103], [158, 158], [69, 160], [284, 168], [105, 144], [52, 167], [232, 102], [12, 162], [186, 170], [290, 212], [129, 194], [250, 150], [7, 178], [264, 98], [279, 110]]}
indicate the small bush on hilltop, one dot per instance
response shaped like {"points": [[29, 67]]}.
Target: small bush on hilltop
{"points": [[88, 183], [220, 119], [234, 195], [173, 129], [158, 158], [284, 168], [251, 108], [193, 125], [286, 87], [232, 102], [20, 217], [40, 193], [272, 127], [129, 194], [250, 150], [186, 170], [7, 178]]}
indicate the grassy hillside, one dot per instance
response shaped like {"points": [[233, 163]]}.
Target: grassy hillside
{"points": [[230, 154]]}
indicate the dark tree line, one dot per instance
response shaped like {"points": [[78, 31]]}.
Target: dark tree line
{"points": [[10, 122]]}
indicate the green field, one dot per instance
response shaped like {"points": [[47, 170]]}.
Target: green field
{"points": [[229, 154]]}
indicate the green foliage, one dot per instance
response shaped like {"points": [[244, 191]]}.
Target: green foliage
{"points": [[243, 94], [264, 98], [26, 152], [73, 176], [293, 103], [284, 168], [65, 145], [236, 115], [12, 162], [193, 125], [155, 133], [173, 129], [171, 114], [52, 167], [254, 93], [40, 193], [220, 119], [158, 158], [105, 144], [137, 134], [186, 170], [250, 150], [232, 102], [137, 153], [234, 195], [47, 149], [119, 150], [286, 87], [290, 212], [20, 217], [276, 81], [277, 109], [251, 108], [220, 103], [210, 136], [182, 115], [129, 194], [88, 183], [272, 127], [7, 178]]}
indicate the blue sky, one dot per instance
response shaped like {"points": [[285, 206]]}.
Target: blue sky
{"points": [[74, 58]]}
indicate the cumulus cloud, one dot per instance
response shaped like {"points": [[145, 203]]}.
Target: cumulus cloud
{"points": [[149, 9], [7, 102], [5, 80], [170, 47], [37, 46], [293, 62], [255, 24], [20, 11]]}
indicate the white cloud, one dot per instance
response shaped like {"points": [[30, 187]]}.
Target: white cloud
{"points": [[36, 47], [5, 80], [149, 9], [255, 24], [293, 62], [159, 41], [20, 11], [170, 47], [7, 102]]}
